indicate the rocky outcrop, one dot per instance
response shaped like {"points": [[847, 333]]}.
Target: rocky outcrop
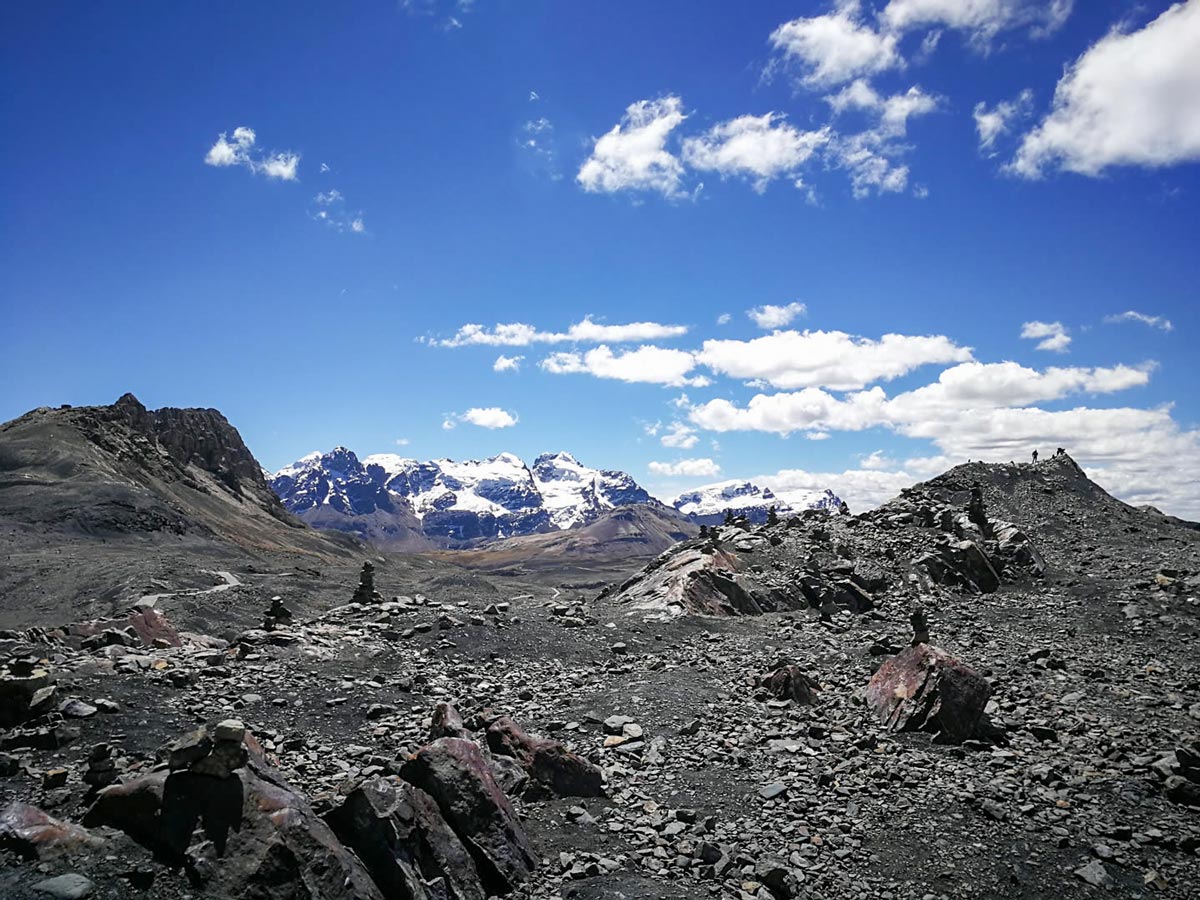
{"points": [[924, 688], [398, 831], [454, 772]]}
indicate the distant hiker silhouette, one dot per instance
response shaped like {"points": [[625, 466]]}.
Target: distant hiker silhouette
{"points": [[1035, 456]]}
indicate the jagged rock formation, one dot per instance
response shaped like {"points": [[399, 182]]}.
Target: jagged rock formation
{"points": [[826, 561]]}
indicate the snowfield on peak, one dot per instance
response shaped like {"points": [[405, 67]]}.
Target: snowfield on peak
{"points": [[390, 498]]}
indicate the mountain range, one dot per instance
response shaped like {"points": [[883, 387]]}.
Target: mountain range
{"points": [[399, 502]]}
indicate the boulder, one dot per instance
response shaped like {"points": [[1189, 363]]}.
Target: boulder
{"points": [[790, 683], [454, 772], [250, 834], [34, 834], [446, 723], [400, 835], [924, 688], [548, 762]]}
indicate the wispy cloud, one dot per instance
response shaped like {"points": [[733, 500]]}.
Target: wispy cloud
{"points": [[770, 317], [1051, 335], [686, 468], [490, 417], [518, 334], [1159, 322], [239, 149]]}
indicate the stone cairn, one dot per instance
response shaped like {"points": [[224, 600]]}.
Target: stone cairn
{"points": [[365, 592], [277, 615]]}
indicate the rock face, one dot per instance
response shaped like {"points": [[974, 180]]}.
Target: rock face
{"points": [[924, 688], [454, 772]]}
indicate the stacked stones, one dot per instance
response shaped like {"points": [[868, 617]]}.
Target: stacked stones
{"points": [[365, 592], [216, 755], [277, 615], [102, 768]]}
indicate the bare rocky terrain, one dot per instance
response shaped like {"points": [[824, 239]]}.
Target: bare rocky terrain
{"points": [[986, 688]]}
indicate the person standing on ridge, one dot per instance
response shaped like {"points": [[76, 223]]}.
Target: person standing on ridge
{"points": [[1035, 456]]}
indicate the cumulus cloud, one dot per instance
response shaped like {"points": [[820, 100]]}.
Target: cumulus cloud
{"points": [[484, 417], [518, 334], [1132, 99], [647, 364], [982, 19], [834, 48], [760, 148], [238, 149], [679, 436], [768, 316], [1052, 335], [1159, 322], [507, 363], [633, 155], [689, 468], [832, 359], [894, 111], [967, 387], [992, 123]]}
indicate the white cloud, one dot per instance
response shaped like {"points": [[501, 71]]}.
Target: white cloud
{"points": [[991, 124], [330, 208], [689, 468], [810, 409], [402, 442], [518, 334], [894, 111], [761, 148], [968, 387], [679, 436], [869, 156], [836, 47], [982, 18], [876, 461], [768, 316], [239, 151], [507, 363], [647, 364], [489, 417], [1131, 99], [280, 165], [833, 359], [1131, 315], [1053, 335], [633, 155], [724, 319]]}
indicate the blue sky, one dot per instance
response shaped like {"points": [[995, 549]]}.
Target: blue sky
{"points": [[288, 212]]}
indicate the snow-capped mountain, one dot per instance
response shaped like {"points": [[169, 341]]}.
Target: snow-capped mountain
{"points": [[452, 502], [707, 505], [575, 495], [399, 501]]}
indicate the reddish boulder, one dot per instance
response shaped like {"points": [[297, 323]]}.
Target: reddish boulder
{"points": [[33, 834], [454, 772], [924, 688], [549, 762]]}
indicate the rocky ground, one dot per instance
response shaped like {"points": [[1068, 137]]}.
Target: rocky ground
{"points": [[1081, 779]]}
